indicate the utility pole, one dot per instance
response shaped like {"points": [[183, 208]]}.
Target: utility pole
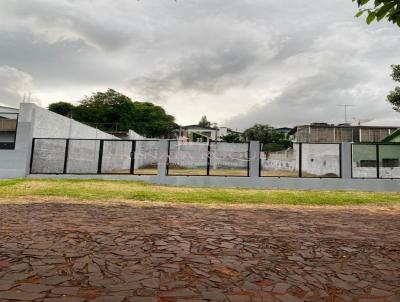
{"points": [[345, 110]]}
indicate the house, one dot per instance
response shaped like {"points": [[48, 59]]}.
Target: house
{"points": [[329, 133], [8, 127], [284, 130], [196, 133]]}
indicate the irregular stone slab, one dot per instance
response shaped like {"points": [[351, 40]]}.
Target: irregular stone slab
{"points": [[64, 299], [97, 252], [34, 288], [20, 295], [179, 293]]}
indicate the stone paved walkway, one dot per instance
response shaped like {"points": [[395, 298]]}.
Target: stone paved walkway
{"points": [[76, 252]]}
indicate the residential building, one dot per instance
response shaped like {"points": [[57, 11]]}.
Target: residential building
{"points": [[329, 133], [285, 131], [196, 133]]}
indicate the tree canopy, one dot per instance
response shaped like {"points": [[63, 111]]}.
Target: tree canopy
{"points": [[394, 96], [377, 10], [111, 110], [62, 108], [271, 139], [204, 122], [233, 137]]}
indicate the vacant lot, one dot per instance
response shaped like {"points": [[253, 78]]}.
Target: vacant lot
{"points": [[137, 191]]}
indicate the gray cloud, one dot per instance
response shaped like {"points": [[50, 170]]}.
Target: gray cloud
{"points": [[238, 61], [14, 84], [210, 71], [343, 67], [67, 21]]}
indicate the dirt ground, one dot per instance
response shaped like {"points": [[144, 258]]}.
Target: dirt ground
{"points": [[66, 251]]}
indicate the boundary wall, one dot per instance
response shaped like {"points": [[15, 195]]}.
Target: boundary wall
{"points": [[34, 121]]}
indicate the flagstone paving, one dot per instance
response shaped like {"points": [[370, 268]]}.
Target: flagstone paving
{"points": [[79, 252]]}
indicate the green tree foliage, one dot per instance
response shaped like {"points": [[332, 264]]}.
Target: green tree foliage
{"points": [[204, 122], [62, 108], [108, 110], [379, 9], [112, 110], [151, 120], [271, 139], [394, 96], [232, 138]]}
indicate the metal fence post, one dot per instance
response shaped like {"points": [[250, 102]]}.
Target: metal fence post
{"points": [[32, 152], [66, 156], [209, 157], [300, 160], [100, 162], [133, 154], [378, 172]]}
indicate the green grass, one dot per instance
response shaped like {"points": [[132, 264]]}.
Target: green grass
{"points": [[138, 191]]}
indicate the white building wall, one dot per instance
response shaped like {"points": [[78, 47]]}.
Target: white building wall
{"points": [[47, 124], [38, 122]]}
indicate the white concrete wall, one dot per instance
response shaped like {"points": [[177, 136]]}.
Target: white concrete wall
{"points": [[371, 172], [317, 160], [321, 159], [146, 154], [345, 183], [222, 155], [136, 136], [52, 125], [283, 161], [37, 122]]}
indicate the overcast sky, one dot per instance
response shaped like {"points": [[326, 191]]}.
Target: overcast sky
{"points": [[239, 62]]}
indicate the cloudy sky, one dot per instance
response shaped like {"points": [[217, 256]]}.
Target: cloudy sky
{"points": [[239, 62]]}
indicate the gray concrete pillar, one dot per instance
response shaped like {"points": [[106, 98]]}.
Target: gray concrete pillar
{"points": [[254, 157], [346, 161], [162, 157], [25, 132]]}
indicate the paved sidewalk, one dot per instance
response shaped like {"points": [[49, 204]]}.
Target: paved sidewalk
{"points": [[90, 252]]}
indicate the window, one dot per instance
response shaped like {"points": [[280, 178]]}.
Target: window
{"points": [[367, 163], [390, 162], [8, 130]]}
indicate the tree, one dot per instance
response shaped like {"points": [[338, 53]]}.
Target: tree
{"points": [[108, 111], [394, 96], [151, 120], [271, 139], [112, 110], [62, 108], [204, 122], [232, 138], [379, 9]]}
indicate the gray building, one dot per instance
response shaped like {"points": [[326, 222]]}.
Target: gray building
{"points": [[328, 133]]}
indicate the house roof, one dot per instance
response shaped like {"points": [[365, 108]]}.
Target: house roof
{"points": [[197, 127], [8, 108], [284, 129], [392, 136]]}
